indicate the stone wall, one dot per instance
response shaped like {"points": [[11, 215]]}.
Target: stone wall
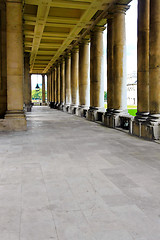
{"points": [[3, 59]]}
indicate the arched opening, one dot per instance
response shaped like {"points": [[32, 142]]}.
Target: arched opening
{"points": [[36, 84]]}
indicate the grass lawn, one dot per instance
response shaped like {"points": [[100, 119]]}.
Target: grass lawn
{"points": [[131, 109], [132, 112]]}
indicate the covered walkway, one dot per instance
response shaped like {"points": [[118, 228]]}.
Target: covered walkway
{"points": [[70, 179]]}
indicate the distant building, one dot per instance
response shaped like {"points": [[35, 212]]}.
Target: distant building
{"points": [[132, 89]]}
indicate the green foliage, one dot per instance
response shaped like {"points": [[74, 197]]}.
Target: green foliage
{"points": [[37, 95], [132, 112], [105, 96]]}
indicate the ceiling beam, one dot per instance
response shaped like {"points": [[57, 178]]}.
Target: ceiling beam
{"points": [[50, 24], [47, 52], [63, 4], [70, 4], [42, 14], [44, 45], [69, 20], [89, 13], [39, 57]]}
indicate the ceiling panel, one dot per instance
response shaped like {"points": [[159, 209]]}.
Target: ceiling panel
{"points": [[50, 26]]}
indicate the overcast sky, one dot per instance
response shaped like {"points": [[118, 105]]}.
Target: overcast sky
{"points": [[131, 37], [131, 41]]}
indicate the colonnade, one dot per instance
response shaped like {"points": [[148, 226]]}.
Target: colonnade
{"points": [[84, 87], [84, 72]]}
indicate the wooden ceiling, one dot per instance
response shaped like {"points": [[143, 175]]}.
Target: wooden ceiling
{"points": [[52, 26]]}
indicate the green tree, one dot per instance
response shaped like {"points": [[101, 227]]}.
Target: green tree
{"points": [[105, 96], [37, 95]]}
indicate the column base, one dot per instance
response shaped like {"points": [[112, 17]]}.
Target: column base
{"points": [[14, 121], [137, 123], [73, 109], [107, 120], [28, 108], [44, 104], [113, 117], [82, 111], [147, 128], [95, 114], [56, 105], [66, 107], [61, 106], [52, 104]]}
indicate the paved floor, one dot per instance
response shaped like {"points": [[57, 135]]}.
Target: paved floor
{"points": [[70, 179]]}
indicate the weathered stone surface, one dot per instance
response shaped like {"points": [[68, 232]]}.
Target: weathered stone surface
{"points": [[27, 83], [97, 68], [62, 82], [68, 80], [43, 89], [68, 178], [84, 73], [3, 61], [75, 77], [143, 56]]}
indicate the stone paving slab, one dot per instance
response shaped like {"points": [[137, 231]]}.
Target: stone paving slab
{"points": [[66, 178]]}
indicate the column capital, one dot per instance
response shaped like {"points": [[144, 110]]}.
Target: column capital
{"points": [[98, 29], [67, 55], [61, 59], [120, 8], [109, 16], [75, 49], [85, 40], [56, 64]]}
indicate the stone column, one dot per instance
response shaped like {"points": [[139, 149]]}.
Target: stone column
{"points": [[119, 67], [110, 64], [154, 70], [120, 76], [30, 88], [108, 121], [62, 83], [96, 74], [142, 66], [58, 85], [55, 86], [74, 79], [43, 89], [84, 77], [50, 87], [47, 87], [3, 62], [67, 82], [27, 83], [15, 115], [143, 59]]}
